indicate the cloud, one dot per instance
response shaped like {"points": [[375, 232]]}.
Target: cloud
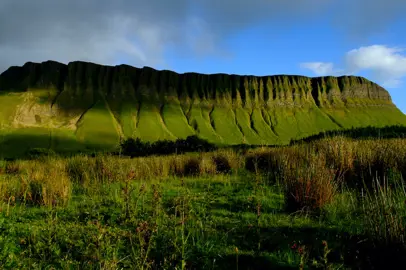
{"points": [[135, 30], [140, 32], [319, 68], [360, 19], [386, 64]]}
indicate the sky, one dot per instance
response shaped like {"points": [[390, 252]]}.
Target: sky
{"points": [[246, 37]]}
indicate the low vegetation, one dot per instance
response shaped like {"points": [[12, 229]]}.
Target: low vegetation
{"points": [[331, 203]]}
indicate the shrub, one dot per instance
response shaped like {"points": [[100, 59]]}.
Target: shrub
{"points": [[308, 184], [192, 167]]}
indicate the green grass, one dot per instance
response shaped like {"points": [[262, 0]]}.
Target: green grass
{"points": [[15, 142], [128, 118], [199, 119], [149, 213], [9, 103], [176, 121], [285, 123], [225, 125], [244, 121], [262, 128], [195, 222], [101, 126], [97, 127], [150, 125], [65, 141]]}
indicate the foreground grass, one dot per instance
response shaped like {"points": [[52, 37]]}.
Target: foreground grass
{"points": [[177, 223], [289, 208]]}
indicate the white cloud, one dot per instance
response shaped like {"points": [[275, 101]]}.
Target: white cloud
{"points": [[386, 64], [319, 68]]}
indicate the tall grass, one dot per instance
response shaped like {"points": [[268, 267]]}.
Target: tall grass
{"points": [[167, 223], [38, 183]]}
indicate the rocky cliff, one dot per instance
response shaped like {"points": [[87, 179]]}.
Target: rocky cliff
{"points": [[90, 100]]}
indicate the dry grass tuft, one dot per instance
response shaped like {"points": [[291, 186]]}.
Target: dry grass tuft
{"points": [[40, 183], [309, 185]]}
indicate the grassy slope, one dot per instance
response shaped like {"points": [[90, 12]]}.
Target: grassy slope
{"points": [[285, 123], [96, 128], [225, 124], [128, 117], [312, 121], [176, 121], [243, 120], [262, 128], [16, 142], [64, 140], [362, 116], [9, 103], [199, 119], [150, 126], [220, 125]]}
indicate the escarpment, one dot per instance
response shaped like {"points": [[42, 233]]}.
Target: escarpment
{"points": [[84, 100]]}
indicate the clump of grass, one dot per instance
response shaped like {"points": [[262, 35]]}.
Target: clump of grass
{"points": [[385, 210], [192, 167], [12, 167], [227, 161], [41, 183], [309, 184], [340, 153], [207, 165], [78, 169]]}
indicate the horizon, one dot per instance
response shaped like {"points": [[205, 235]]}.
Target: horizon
{"points": [[257, 37]]}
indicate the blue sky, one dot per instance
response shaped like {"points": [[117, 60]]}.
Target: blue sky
{"points": [[258, 37]]}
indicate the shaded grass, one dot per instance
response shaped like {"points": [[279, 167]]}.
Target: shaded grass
{"points": [[97, 129]]}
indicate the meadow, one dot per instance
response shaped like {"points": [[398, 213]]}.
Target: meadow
{"points": [[331, 203]]}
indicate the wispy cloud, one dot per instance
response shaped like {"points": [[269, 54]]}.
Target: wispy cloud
{"points": [[386, 64], [320, 68]]}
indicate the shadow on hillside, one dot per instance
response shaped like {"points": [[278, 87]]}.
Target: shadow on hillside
{"points": [[18, 146]]}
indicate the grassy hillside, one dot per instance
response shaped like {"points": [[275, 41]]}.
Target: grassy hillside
{"points": [[96, 106]]}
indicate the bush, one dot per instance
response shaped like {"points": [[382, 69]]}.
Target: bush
{"points": [[308, 185], [192, 167]]}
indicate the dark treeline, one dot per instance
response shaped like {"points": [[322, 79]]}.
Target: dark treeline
{"points": [[136, 148]]}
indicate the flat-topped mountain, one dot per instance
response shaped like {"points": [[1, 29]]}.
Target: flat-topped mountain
{"points": [[69, 107]]}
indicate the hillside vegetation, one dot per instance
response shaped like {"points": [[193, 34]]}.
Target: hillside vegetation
{"points": [[88, 106]]}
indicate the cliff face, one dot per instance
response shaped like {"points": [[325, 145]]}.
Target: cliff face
{"points": [[87, 81], [86, 100]]}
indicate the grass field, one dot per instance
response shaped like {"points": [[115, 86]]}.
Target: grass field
{"points": [[335, 203]]}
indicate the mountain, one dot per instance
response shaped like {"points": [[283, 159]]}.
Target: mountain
{"points": [[71, 107]]}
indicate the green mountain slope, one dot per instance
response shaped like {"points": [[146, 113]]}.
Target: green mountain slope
{"points": [[85, 106]]}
